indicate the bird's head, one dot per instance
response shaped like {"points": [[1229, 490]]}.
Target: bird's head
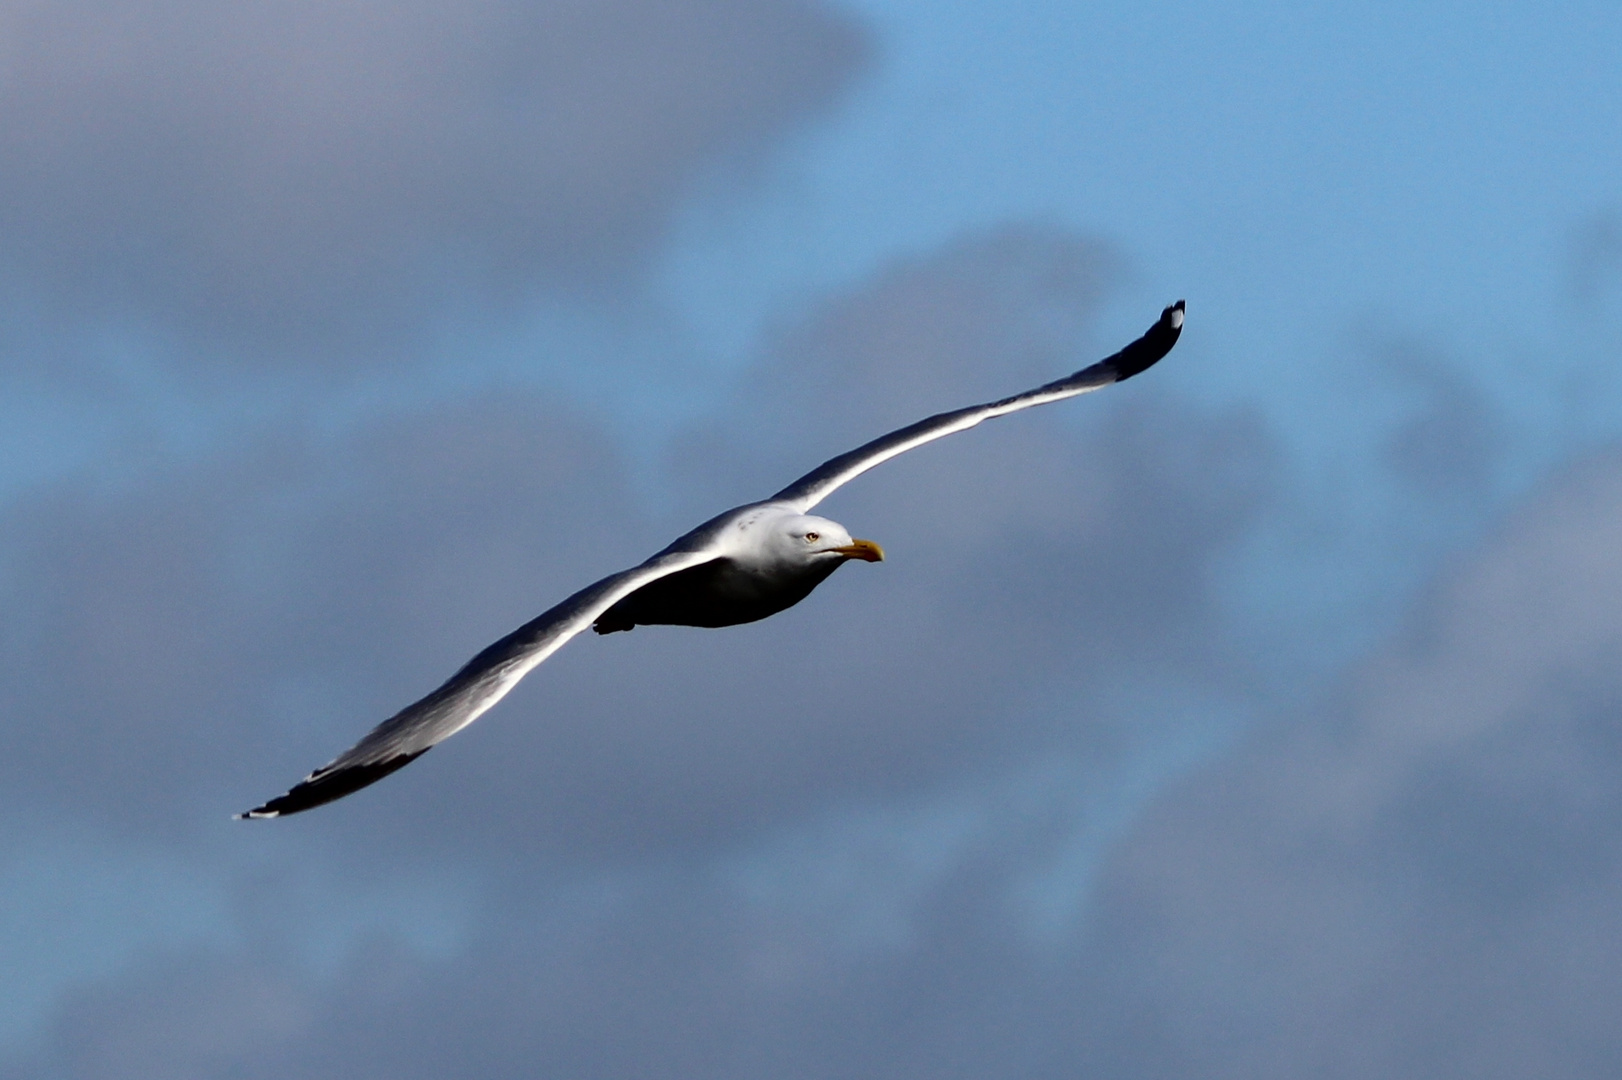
{"points": [[805, 539]]}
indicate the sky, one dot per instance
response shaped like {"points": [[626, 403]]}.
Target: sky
{"points": [[1258, 717]]}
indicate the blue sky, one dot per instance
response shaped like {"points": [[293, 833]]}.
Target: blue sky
{"points": [[318, 460], [1423, 170]]}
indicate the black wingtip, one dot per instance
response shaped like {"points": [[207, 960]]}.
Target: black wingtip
{"points": [[322, 787], [1145, 352]]}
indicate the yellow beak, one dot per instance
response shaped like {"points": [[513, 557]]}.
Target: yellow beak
{"points": [[865, 550]]}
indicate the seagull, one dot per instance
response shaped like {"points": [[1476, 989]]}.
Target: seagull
{"points": [[741, 566]]}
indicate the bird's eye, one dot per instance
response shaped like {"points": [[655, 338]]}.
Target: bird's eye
{"points": [[812, 538]]}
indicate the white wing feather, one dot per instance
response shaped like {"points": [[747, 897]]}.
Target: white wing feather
{"points": [[822, 481]]}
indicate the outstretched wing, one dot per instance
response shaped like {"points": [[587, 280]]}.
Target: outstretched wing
{"points": [[483, 681], [822, 481]]}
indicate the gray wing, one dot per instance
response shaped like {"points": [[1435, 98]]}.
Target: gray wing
{"points": [[483, 681], [822, 481]]}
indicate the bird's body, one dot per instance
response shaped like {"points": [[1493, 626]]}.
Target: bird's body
{"points": [[774, 557], [741, 566]]}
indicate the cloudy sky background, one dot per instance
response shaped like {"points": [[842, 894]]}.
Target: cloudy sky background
{"points": [[1260, 717]]}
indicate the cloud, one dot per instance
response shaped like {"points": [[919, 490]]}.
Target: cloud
{"points": [[1419, 878], [675, 973], [163, 636], [277, 604], [1452, 445], [318, 180], [1593, 255], [196, 1015], [691, 850]]}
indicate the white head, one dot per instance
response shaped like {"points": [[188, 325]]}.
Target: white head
{"points": [[803, 539]]}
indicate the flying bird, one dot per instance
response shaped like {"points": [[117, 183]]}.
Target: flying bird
{"points": [[738, 567]]}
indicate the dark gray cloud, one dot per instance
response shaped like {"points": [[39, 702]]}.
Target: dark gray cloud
{"points": [[1422, 878], [269, 608], [164, 636], [685, 980], [275, 178], [197, 1016], [186, 646], [1419, 879]]}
